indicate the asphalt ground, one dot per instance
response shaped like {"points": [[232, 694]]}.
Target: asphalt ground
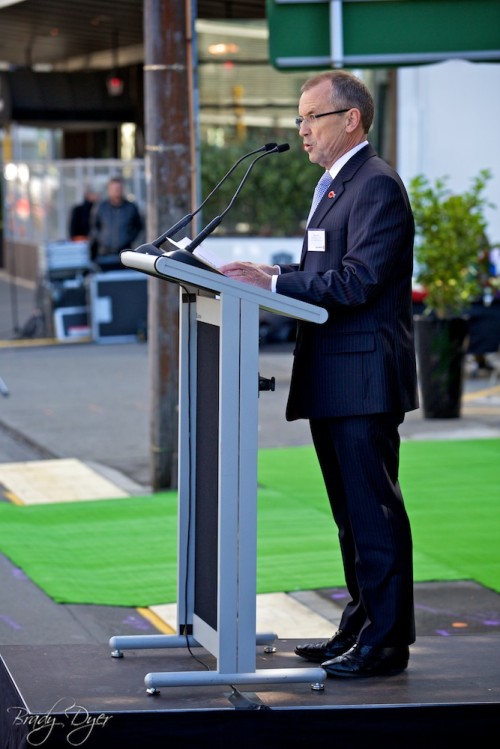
{"points": [[90, 401]]}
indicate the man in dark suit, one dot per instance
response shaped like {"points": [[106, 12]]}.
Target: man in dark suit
{"points": [[355, 376]]}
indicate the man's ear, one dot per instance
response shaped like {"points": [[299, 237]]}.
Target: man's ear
{"points": [[353, 119]]}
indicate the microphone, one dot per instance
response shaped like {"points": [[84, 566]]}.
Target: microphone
{"points": [[214, 223], [185, 254], [189, 216]]}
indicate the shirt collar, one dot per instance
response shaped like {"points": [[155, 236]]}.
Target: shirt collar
{"points": [[345, 158]]}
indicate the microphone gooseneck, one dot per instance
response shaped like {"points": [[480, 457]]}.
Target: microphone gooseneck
{"points": [[185, 254], [185, 220], [214, 223]]}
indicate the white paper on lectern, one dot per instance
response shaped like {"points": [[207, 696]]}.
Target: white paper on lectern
{"points": [[207, 256]]}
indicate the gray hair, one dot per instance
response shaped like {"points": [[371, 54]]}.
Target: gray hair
{"points": [[347, 91]]}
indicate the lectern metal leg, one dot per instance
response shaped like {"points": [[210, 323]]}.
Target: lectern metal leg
{"points": [[149, 642], [154, 642], [154, 681]]}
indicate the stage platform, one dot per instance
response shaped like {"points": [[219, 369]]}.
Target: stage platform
{"points": [[63, 696]]}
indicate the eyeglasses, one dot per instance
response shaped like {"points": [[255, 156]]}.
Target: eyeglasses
{"points": [[311, 119]]}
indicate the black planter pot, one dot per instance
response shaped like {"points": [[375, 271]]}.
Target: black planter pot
{"points": [[440, 347]]}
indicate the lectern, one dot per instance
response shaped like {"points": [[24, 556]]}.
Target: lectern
{"points": [[217, 482]]}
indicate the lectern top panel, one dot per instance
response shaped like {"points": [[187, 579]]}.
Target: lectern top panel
{"points": [[172, 270]]}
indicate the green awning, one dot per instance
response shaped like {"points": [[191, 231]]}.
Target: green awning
{"points": [[318, 34]]}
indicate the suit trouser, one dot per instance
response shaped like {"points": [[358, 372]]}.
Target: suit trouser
{"points": [[359, 460]]}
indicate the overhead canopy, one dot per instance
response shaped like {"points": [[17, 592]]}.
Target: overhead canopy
{"points": [[56, 56], [51, 32]]}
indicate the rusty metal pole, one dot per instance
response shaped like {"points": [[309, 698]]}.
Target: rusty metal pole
{"points": [[169, 154]]}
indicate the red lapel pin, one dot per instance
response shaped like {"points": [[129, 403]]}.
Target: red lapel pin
{"points": [[331, 194]]}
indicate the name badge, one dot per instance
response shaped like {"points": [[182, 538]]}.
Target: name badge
{"points": [[316, 240]]}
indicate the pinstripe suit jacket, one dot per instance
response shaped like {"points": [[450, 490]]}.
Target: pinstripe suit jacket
{"points": [[362, 360]]}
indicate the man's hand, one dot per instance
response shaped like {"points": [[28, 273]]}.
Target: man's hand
{"points": [[254, 274]]}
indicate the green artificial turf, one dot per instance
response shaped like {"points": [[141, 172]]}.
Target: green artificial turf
{"points": [[123, 552]]}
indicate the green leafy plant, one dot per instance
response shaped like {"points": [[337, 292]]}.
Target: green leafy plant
{"points": [[450, 243]]}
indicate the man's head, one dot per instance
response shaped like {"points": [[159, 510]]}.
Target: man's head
{"points": [[91, 195], [336, 112], [115, 191]]}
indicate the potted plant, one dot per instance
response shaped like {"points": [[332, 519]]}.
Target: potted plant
{"points": [[450, 245]]}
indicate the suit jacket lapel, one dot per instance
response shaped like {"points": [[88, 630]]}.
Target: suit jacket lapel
{"points": [[337, 187]]}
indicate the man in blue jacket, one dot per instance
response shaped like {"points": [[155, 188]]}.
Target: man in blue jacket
{"points": [[354, 377], [116, 223]]}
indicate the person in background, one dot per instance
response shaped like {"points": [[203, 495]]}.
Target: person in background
{"points": [[354, 377], [115, 224], [79, 222], [480, 319]]}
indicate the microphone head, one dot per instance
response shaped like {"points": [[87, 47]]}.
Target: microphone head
{"points": [[283, 147], [269, 147]]}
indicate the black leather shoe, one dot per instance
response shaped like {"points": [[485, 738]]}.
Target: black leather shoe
{"points": [[366, 660], [322, 651]]}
